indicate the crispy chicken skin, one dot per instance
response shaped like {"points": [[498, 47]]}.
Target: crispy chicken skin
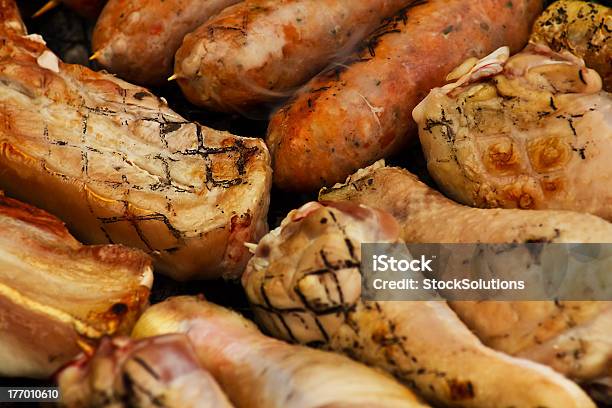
{"points": [[351, 116], [155, 372], [117, 165], [582, 28], [137, 39], [572, 337], [531, 131], [258, 371], [425, 215], [305, 285], [261, 50], [57, 295]]}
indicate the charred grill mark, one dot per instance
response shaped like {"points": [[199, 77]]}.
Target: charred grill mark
{"points": [[280, 316], [141, 235], [350, 247], [244, 155], [135, 220], [388, 26], [581, 151], [572, 127], [321, 89], [552, 104], [449, 135], [131, 385], [315, 307], [315, 313], [460, 390], [147, 367], [154, 217], [141, 95], [46, 137], [101, 110], [213, 29], [84, 157]]}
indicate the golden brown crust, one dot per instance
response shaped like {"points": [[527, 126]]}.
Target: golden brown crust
{"points": [[530, 131], [350, 117], [118, 166]]}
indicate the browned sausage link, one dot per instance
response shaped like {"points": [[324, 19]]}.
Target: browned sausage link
{"points": [[119, 166], [261, 50], [137, 39], [10, 19], [348, 118]]}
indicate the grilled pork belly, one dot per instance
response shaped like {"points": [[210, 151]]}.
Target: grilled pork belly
{"points": [[119, 166], [155, 372], [305, 285], [259, 371], [58, 296], [531, 131]]}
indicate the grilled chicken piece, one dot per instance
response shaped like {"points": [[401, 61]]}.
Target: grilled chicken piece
{"points": [[572, 337], [258, 371], [305, 285], [584, 29], [58, 296], [157, 372], [118, 165], [531, 131]]}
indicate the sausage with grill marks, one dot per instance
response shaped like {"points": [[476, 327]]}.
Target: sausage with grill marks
{"points": [[260, 50], [137, 39], [352, 116]]}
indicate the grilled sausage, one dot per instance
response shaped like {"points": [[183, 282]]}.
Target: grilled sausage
{"points": [[57, 295], [352, 116], [116, 164], [260, 50], [137, 39]]}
